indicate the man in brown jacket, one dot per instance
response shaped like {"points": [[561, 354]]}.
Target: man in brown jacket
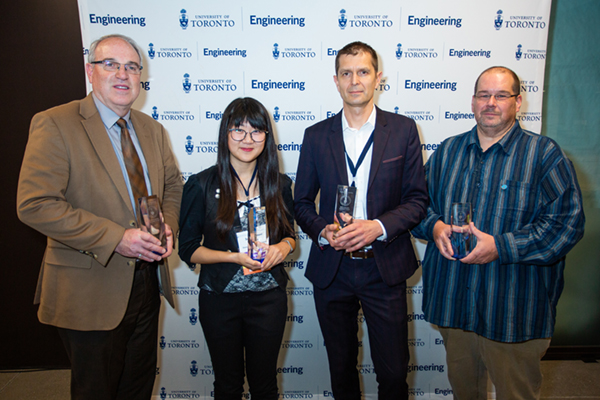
{"points": [[98, 282]]}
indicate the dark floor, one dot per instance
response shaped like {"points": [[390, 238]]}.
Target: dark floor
{"points": [[562, 380]]}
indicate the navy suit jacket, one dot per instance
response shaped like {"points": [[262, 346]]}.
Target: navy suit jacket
{"points": [[397, 194]]}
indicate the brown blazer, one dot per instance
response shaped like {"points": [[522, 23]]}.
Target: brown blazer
{"points": [[72, 189]]}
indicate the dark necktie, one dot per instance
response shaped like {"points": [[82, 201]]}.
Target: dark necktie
{"points": [[132, 163]]}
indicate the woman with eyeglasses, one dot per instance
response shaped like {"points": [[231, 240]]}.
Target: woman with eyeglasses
{"points": [[241, 312]]}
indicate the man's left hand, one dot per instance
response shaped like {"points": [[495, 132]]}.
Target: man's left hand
{"points": [[358, 234], [485, 251], [136, 243]]}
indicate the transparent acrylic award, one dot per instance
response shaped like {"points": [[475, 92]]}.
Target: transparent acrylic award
{"points": [[344, 204], [152, 221], [152, 218], [258, 233], [461, 239]]}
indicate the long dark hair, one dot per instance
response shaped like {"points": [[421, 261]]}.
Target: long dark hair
{"points": [[254, 113]]}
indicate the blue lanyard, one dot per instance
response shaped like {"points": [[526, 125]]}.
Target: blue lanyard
{"points": [[363, 154], [247, 203]]}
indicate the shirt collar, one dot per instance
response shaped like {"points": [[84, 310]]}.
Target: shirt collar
{"points": [[108, 116], [506, 143], [371, 120]]}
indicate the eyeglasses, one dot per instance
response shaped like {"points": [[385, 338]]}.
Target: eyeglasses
{"points": [[239, 134], [113, 66], [498, 97]]}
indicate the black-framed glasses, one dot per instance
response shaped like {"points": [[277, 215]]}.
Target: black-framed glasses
{"points": [[112, 66], [257, 136], [498, 97]]}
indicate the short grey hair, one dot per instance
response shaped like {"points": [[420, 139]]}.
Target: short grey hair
{"points": [[516, 85], [132, 43]]}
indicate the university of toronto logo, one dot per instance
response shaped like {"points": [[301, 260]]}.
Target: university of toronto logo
{"points": [[193, 316], [399, 51], [151, 51], [189, 148], [519, 53], [187, 84], [194, 368], [183, 20], [498, 21], [342, 21]]}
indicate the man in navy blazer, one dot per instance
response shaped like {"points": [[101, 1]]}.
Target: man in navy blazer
{"points": [[366, 263]]}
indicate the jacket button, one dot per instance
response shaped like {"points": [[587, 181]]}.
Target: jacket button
{"points": [[131, 223], [131, 263]]}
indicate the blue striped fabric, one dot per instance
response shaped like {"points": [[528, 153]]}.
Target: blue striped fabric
{"points": [[524, 192]]}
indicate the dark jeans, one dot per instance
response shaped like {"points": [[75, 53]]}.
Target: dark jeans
{"points": [[357, 284], [120, 363], [236, 322]]}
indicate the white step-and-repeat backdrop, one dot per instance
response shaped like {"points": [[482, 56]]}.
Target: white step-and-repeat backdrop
{"points": [[200, 55]]}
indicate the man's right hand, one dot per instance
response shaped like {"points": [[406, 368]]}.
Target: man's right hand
{"points": [[441, 237], [328, 233], [142, 245]]}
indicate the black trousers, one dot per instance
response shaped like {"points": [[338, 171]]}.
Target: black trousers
{"points": [[121, 363], [357, 284], [238, 323]]}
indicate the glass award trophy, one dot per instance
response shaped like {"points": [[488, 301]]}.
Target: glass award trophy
{"points": [[344, 205], [461, 239], [152, 221], [258, 233]]}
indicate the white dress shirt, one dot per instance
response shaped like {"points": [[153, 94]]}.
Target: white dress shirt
{"points": [[355, 141]]}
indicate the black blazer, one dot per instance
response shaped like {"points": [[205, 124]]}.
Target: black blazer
{"points": [[397, 194], [198, 213]]}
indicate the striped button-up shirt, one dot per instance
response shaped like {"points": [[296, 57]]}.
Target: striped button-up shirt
{"points": [[524, 192]]}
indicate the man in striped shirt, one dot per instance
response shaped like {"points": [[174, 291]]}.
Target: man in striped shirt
{"points": [[496, 307]]}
